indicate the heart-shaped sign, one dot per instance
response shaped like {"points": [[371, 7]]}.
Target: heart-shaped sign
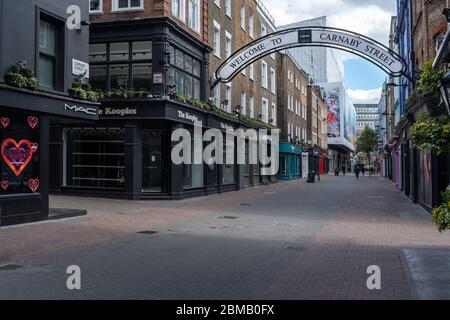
{"points": [[33, 184], [33, 121], [17, 155], [4, 184], [34, 147], [4, 122]]}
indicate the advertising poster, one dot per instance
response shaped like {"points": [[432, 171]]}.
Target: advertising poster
{"points": [[333, 99]]}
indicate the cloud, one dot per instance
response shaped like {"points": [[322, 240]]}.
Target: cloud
{"points": [[368, 17], [365, 96]]}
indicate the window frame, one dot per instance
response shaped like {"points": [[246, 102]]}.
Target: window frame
{"points": [[99, 11], [115, 6]]}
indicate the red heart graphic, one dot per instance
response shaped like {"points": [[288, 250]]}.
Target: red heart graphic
{"points": [[17, 155], [33, 121], [33, 184], [34, 147], [4, 184], [5, 122]]}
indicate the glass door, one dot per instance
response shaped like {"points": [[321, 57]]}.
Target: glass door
{"points": [[152, 161]]}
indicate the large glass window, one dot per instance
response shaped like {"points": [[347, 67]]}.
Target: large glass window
{"points": [[98, 77], [185, 73], [119, 76], [19, 139], [94, 157], [47, 53], [112, 65]]}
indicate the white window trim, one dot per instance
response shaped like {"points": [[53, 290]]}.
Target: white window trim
{"points": [[273, 81], [251, 72], [228, 36], [229, 97], [197, 27], [264, 84], [217, 27], [99, 11], [183, 11], [243, 19], [115, 7], [229, 9], [265, 117], [252, 107], [251, 26]]}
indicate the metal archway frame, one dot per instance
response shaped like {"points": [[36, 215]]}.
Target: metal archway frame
{"points": [[327, 37]]}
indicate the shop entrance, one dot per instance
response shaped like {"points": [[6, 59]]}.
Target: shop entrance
{"points": [[153, 161]]}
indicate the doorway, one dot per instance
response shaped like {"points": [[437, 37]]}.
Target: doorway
{"points": [[152, 161]]}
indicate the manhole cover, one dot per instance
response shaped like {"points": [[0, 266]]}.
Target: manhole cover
{"points": [[297, 249], [228, 217], [148, 232], [245, 204], [10, 267]]}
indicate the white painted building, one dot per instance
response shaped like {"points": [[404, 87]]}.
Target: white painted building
{"points": [[322, 64]]}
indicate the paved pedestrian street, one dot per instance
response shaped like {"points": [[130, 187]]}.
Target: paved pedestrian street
{"points": [[289, 240]]}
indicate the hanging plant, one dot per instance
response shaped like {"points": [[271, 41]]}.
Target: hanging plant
{"points": [[432, 134], [441, 214]]}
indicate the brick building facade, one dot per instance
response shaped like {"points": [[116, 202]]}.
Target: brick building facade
{"points": [[232, 25], [428, 23], [292, 100]]}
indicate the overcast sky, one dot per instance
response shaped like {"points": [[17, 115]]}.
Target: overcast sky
{"points": [[369, 17]]}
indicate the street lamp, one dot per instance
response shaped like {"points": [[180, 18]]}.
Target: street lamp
{"points": [[444, 90]]}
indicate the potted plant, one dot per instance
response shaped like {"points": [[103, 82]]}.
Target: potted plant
{"points": [[20, 77]]}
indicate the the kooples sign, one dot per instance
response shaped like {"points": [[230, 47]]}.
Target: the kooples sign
{"points": [[314, 36], [121, 112], [80, 109], [187, 116]]}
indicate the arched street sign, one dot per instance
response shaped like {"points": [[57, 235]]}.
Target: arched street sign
{"points": [[340, 39]]}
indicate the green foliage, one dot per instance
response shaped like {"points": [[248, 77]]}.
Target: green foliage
{"points": [[428, 82], [441, 214], [367, 141], [432, 134], [21, 78], [84, 91], [221, 113]]}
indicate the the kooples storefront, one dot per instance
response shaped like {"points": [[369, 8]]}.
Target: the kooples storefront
{"points": [[127, 153], [25, 118]]}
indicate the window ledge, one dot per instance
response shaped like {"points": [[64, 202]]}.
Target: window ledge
{"points": [[95, 13]]}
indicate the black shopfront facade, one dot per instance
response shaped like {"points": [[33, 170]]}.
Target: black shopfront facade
{"points": [[127, 154], [34, 40]]}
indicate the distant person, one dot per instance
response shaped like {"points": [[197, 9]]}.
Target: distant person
{"points": [[318, 175], [343, 170], [336, 172], [357, 173], [363, 170]]}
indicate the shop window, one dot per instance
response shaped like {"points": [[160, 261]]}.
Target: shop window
{"points": [[119, 51], [185, 73], [94, 157], [142, 76], [97, 52], [97, 77], [125, 70], [19, 137], [142, 50], [119, 76]]}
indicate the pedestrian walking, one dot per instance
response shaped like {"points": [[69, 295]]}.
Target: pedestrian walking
{"points": [[343, 170], [318, 175], [357, 173]]}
